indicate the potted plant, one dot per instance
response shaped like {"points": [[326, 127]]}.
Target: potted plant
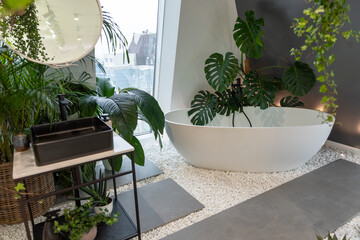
{"points": [[81, 222], [125, 108], [253, 87], [321, 26], [101, 200]]}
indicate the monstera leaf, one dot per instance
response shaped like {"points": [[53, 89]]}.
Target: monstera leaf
{"points": [[227, 102], [298, 79], [248, 33], [259, 90], [290, 101], [203, 107], [220, 72]]}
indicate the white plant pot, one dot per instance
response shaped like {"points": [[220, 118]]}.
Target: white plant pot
{"points": [[90, 235], [107, 165], [109, 208]]}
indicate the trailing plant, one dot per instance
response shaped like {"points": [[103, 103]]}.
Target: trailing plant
{"points": [[125, 108], [9, 7], [321, 26], [81, 220], [23, 30], [329, 237], [252, 87]]}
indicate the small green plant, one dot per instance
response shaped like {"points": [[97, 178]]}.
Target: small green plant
{"points": [[252, 88], [321, 27], [329, 237], [81, 220]]}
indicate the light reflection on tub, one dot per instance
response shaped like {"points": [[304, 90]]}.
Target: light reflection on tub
{"points": [[280, 139]]}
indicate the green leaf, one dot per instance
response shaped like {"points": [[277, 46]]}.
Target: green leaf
{"points": [[139, 155], [259, 90], [220, 72], [290, 101], [323, 89], [104, 88], [19, 187], [298, 79], [247, 35], [123, 112], [227, 102], [203, 108], [151, 110], [118, 160]]}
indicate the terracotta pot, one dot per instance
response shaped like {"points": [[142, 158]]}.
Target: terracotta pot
{"points": [[109, 208], [21, 142], [90, 235]]}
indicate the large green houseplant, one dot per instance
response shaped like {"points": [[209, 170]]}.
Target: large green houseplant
{"points": [[254, 87], [125, 108], [323, 23]]}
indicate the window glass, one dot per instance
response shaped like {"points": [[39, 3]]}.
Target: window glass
{"points": [[137, 20]]}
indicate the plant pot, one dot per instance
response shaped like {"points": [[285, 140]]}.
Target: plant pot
{"points": [[109, 208], [107, 165], [90, 235], [21, 142]]}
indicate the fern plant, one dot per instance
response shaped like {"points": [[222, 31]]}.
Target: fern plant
{"points": [[252, 88]]}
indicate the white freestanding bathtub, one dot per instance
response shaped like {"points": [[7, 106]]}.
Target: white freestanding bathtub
{"points": [[280, 139]]}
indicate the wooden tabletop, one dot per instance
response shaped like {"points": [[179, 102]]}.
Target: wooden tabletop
{"points": [[24, 162]]}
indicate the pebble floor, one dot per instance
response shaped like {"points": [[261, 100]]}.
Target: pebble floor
{"points": [[216, 190]]}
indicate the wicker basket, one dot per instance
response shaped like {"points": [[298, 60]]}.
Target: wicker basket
{"points": [[10, 208]]}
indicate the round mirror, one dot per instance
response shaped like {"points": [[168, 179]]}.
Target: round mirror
{"points": [[53, 32]]}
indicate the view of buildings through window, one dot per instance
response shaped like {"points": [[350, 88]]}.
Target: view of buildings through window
{"points": [[137, 20]]}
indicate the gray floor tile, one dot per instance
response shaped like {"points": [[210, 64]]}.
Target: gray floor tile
{"points": [[160, 203], [315, 203]]}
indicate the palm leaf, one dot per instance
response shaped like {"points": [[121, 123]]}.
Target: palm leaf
{"points": [[248, 33], [298, 79], [203, 108], [290, 101], [220, 72], [259, 90]]}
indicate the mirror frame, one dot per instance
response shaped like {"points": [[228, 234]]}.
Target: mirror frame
{"points": [[61, 64]]}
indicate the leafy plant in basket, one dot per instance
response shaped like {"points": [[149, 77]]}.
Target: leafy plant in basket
{"points": [[252, 87], [81, 220], [321, 26], [125, 108]]}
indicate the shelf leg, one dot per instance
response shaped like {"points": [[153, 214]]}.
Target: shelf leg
{"points": [[135, 196], [28, 205], [114, 179], [23, 214], [77, 177]]}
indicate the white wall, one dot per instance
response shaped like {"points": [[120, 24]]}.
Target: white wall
{"points": [[205, 27]]}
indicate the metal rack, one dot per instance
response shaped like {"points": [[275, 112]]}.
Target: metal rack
{"points": [[125, 228]]}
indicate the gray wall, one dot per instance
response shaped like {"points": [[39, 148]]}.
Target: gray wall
{"points": [[279, 39]]}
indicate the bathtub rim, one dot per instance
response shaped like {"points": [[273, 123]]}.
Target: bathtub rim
{"points": [[230, 127]]}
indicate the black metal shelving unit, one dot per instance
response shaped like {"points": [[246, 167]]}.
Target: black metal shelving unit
{"points": [[123, 229]]}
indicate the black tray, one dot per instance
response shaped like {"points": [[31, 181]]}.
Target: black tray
{"points": [[65, 140]]}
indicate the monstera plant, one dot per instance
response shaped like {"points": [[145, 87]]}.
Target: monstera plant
{"points": [[125, 108], [252, 87]]}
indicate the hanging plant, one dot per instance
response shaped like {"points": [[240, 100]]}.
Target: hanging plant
{"points": [[321, 27], [21, 30]]}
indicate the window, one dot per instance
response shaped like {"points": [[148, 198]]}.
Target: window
{"points": [[137, 20]]}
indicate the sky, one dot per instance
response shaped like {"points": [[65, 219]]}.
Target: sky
{"points": [[132, 16]]}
